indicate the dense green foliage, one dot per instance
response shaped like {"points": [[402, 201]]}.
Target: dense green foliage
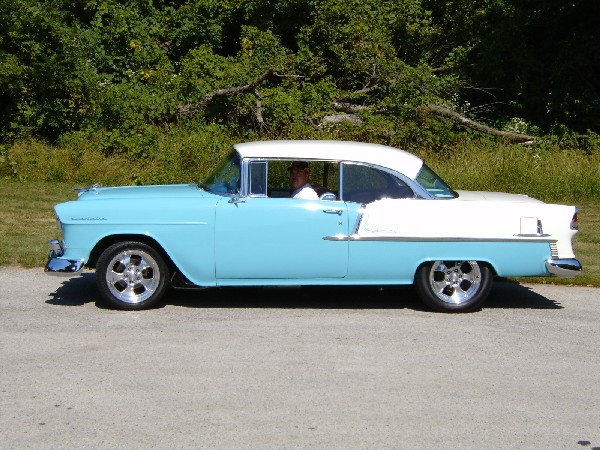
{"points": [[122, 72]]}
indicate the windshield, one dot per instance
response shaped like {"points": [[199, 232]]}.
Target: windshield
{"points": [[225, 179], [434, 184]]}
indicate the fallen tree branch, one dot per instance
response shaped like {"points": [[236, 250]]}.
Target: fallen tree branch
{"points": [[339, 118], [259, 116], [226, 92], [446, 113], [189, 110], [347, 107]]}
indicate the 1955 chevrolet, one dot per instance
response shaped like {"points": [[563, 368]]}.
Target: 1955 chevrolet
{"points": [[381, 217]]}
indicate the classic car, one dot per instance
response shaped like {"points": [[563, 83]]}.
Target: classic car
{"points": [[381, 217]]}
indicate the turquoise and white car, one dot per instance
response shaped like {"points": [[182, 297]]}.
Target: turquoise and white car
{"points": [[383, 217]]}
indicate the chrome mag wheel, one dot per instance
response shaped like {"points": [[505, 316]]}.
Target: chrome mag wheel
{"points": [[131, 275], [453, 286], [455, 281]]}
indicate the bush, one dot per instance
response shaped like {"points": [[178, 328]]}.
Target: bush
{"points": [[545, 171], [548, 171]]}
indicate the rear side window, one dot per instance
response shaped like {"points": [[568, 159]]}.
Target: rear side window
{"points": [[434, 184], [366, 184]]}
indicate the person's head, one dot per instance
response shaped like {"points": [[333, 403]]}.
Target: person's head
{"points": [[299, 174]]}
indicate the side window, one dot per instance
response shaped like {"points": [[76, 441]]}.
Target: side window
{"points": [[365, 184], [324, 177], [278, 180], [258, 178]]}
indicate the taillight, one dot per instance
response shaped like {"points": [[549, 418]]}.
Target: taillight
{"points": [[574, 222]]}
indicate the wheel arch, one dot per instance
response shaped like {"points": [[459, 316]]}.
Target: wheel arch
{"points": [[482, 262], [107, 241]]}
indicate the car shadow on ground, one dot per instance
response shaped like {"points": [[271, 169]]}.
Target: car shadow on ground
{"points": [[76, 291], [505, 294], [296, 297], [513, 295]]}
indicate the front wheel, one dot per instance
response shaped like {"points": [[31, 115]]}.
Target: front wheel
{"points": [[131, 275], [453, 286]]}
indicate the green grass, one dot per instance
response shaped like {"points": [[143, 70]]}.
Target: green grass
{"points": [[27, 220], [587, 242], [27, 224]]}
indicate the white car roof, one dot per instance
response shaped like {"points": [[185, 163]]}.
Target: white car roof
{"points": [[381, 155]]}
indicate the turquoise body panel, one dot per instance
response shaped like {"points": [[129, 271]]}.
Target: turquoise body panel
{"points": [[396, 262], [228, 241], [379, 262], [179, 218], [262, 238]]}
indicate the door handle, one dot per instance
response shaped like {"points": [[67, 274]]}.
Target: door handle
{"points": [[333, 211]]}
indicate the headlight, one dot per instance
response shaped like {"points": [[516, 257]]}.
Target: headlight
{"points": [[56, 248]]}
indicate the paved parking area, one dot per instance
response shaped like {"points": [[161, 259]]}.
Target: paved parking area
{"points": [[361, 368]]}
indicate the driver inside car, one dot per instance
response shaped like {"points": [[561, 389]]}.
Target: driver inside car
{"points": [[299, 180]]}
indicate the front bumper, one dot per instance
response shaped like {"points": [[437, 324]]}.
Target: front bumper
{"points": [[57, 265], [564, 267]]}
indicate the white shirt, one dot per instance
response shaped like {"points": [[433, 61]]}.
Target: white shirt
{"points": [[305, 192]]}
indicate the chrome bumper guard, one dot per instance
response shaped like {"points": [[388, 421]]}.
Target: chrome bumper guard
{"points": [[564, 267], [59, 266]]}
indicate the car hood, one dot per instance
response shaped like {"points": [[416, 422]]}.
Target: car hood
{"points": [[495, 197], [130, 192]]}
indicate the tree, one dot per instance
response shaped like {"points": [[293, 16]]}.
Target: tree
{"points": [[539, 60]]}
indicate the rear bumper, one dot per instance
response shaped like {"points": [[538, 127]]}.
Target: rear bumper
{"points": [[59, 266], [564, 267]]}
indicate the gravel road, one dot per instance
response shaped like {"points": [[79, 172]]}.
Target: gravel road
{"points": [[360, 368]]}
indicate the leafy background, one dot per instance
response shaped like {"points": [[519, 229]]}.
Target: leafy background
{"points": [[120, 73]]}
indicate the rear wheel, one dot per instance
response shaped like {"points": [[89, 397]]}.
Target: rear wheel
{"points": [[131, 275], [453, 286]]}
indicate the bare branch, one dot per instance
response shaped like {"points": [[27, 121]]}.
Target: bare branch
{"points": [[347, 107], [367, 89], [259, 116], [339, 118], [226, 92], [446, 113], [189, 110]]}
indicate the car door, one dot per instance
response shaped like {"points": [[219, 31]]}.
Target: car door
{"points": [[280, 238]]}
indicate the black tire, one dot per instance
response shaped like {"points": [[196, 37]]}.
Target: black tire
{"points": [[131, 276], [453, 286]]}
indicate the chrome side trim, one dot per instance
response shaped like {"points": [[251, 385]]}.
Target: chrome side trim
{"points": [[359, 218], [564, 267], [357, 237], [337, 237]]}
